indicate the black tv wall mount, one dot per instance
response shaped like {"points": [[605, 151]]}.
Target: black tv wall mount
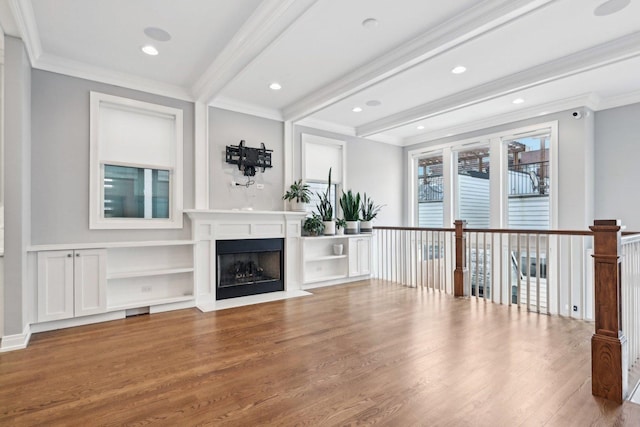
{"points": [[249, 158]]}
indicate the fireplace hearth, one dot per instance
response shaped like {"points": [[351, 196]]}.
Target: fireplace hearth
{"points": [[249, 267]]}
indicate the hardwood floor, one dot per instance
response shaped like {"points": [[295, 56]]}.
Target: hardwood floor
{"points": [[365, 353]]}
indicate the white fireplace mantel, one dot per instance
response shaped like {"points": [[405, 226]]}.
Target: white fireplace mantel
{"points": [[207, 226]]}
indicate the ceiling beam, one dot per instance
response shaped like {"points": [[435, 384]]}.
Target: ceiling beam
{"points": [[262, 28], [595, 57], [464, 27]]}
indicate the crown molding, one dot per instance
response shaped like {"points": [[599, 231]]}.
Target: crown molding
{"points": [[246, 108], [25, 20], [620, 100], [82, 70], [588, 59], [475, 21], [345, 130], [269, 21], [590, 101]]}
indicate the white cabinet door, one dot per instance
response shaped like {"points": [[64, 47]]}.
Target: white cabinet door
{"points": [[71, 283], [55, 285], [359, 256], [364, 255], [90, 281]]}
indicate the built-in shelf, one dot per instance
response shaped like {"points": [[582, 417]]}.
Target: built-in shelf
{"points": [[157, 301], [107, 245], [326, 278], [326, 258], [147, 273]]}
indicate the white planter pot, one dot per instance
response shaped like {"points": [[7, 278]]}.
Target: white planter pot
{"points": [[338, 249], [329, 228], [352, 227], [298, 206], [339, 231], [366, 226]]}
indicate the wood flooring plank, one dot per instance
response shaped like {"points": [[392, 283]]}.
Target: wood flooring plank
{"points": [[367, 353]]}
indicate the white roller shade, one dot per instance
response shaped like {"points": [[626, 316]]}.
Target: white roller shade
{"points": [[320, 154], [139, 137]]}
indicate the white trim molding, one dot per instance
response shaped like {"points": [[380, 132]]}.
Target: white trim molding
{"points": [[465, 27], [17, 341], [608, 53]]}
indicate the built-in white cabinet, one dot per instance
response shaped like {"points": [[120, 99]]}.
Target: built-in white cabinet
{"points": [[333, 259], [71, 283], [359, 256]]}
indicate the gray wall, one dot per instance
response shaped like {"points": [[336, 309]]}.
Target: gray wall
{"points": [[60, 161], [371, 167], [575, 163], [17, 183], [617, 167], [228, 128]]}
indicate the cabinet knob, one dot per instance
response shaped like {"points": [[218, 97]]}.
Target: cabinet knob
{"points": [[77, 254], [69, 255]]}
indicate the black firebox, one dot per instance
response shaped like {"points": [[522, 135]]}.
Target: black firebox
{"points": [[249, 267]]}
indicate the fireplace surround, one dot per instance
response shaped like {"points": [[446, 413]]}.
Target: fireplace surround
{"points": [[209, 226]]}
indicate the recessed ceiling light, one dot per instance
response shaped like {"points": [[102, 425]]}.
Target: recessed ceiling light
{"points": [[449, 134], [157, 34], [610, 7], [459, 69], [543, 113], [150, 50], [373, 103], [356, 109], [275, 86], [518, 101], [420, 127], [370, 23]]}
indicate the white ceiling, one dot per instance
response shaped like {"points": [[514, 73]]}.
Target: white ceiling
{"points": [[555, 54]]}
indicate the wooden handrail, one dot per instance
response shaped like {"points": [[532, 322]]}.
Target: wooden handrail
{"points": [[413, 228], [495, 230]]}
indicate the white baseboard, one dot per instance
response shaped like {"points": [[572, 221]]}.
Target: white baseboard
{"points": [[17, 341], [77, 321]]}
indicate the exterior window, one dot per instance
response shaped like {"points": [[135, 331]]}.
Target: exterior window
{"points": [[320, 187], [135, 164], [131, 192], [430, 192], [473, 186], [529, 182]]}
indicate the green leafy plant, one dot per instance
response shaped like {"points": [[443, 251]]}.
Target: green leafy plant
{"points": [[299, 192], [313, 225], [369, 209], [341, 223], [324, 207], [350, 205]]}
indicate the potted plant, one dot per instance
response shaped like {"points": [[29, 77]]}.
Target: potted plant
{"points": [[313, 225], [340, 226], [298, 196], [369, 210], [325, 209], [350, 205]]}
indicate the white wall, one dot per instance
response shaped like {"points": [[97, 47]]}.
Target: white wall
{"points": [[371, 167], [228, 128], [60, 161], [617, 168]]}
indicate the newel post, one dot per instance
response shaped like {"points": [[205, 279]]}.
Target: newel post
{"points": [[608, 345], [461, 271]]}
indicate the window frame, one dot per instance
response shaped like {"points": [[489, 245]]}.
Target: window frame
{"points": [[498, 202], [97, 220]]}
